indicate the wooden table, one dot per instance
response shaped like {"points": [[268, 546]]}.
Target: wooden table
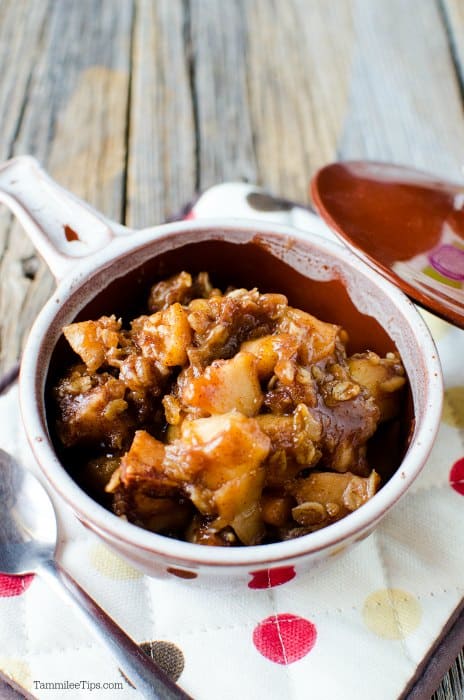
{"points": [[135, 105]]}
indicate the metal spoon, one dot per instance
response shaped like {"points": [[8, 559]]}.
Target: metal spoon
{"points": [[28, 536]]}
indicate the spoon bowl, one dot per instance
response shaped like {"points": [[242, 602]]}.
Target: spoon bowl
{"points": [[28, 530], [28, 536]]}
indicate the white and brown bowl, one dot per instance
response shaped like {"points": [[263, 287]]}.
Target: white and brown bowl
{"points": [[102, 268]]}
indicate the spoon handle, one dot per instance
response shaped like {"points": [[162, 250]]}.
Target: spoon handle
{"points": [[150, 680]]}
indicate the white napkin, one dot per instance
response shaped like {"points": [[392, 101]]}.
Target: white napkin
{"points": [[356, 628]]}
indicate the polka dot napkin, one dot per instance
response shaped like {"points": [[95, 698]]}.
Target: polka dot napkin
{"points": [[358, 627]]}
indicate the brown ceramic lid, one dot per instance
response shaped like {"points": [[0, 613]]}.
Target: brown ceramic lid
{"points": [[405, 223]]}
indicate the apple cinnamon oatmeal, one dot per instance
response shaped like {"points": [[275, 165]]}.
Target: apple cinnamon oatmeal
{"points": [[224, 418]]}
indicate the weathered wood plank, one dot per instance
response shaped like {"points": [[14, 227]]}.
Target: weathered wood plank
{"points": [[21, 29], [452, 686], [405, 103], [16, 60], [298, 56], [218, 48], [161, 165], [74, 121]]}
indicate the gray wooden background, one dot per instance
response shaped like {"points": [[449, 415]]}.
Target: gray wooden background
{"points": [[135, 105]]}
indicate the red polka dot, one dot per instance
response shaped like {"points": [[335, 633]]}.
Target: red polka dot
{"points": [[456, 476], [14, 585], [268, 578], [284, 638]]}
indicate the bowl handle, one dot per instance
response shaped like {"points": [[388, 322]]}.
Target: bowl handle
{"points": [[62, 227]]}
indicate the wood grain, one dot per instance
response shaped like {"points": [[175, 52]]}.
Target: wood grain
{"points": [[452, 686], [17, 62], [72, 118], [218, 37], [161, 165], [298, 73], [405, 102], [17, 59]]}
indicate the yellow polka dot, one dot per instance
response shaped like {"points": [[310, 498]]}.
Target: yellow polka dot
{"points": [[17, 670], [437, 326], [392, 613], [453, 406], [110, 565]]}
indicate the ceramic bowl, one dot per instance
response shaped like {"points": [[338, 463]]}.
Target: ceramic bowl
{"points": [[102, 267]]}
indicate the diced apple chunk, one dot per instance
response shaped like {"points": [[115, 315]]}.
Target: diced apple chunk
{"points": [[316, 338], [165, 336], [331, 496], [143, 464], [269, 350], [226, 385], [93, 410], [222, 458], [231, 445], [92, 340], [383, 377]]}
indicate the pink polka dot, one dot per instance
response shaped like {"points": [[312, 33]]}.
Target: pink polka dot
{"points": [[190, 215], [456, 476], [284, 638], [268, 578], [14, 585]]}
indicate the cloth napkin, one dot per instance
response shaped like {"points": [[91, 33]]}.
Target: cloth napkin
{"points": [[358, 627]]}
